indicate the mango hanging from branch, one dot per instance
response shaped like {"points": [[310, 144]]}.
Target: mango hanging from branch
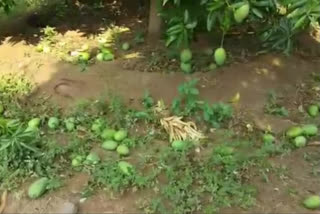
{"points": [[242, 13], [220, 56]]}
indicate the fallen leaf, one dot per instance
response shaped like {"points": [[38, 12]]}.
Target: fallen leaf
{"points": [[235, 98]]}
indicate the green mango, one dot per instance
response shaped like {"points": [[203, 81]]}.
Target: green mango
{"points": [[109, 145], [123, 150], [312, 202], [38, 188]]}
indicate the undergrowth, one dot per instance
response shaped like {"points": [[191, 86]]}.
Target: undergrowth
{"points": [[187, 181], [188, 103]]}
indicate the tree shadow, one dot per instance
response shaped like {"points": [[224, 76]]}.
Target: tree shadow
{"points": [[85, 18]]}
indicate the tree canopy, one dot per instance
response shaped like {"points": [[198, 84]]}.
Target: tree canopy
{"points": [[6, 5]]}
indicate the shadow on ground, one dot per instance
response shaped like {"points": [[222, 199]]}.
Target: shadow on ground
{"points": [[86, 19]]}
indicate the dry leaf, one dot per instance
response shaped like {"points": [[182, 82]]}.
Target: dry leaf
{"points": [[235, 98]]}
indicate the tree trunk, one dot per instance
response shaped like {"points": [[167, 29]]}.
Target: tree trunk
{"points": [[154, 28]]}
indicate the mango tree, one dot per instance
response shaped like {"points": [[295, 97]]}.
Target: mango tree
{"points": [[278, 21], [6, 5]]}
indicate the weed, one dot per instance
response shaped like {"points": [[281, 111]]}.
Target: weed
{"points": [[216, 113], [13, 86], [24, 152], [183, 182], [118, 111], [109, 37], [109, 175], [18, 146], [78, 147], [23, 155], [195, 185], [273, 107], [187, 102], [271, 149], [155, 205], [311, 157], [147, 100], [49, 37]]}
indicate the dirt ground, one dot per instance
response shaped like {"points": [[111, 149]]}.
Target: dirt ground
{"points": [[65, 85], [252, 80]]}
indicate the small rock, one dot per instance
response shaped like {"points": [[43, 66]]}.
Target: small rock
{"points": [[67, 208], [82, 200]]}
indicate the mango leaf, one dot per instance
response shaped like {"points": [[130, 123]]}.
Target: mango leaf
{"points": [[186, 16], [215, 5], [203, 2], [211, 19], [296, 13], [257, 12], [295, 4], [300, 22], [266, 3], [170, 40], [226, 21], [237, 4], [165, 2], [175, 29], [177, 2], [192, 25]]}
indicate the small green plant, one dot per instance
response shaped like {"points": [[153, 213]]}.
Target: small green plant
{"points": [[49, 33], [18, 142], [118, 109], [113, 176], [187, 102], [209, 183], [147, 100], [279, 36], [273, 106], [13, 86], [216, 113]]}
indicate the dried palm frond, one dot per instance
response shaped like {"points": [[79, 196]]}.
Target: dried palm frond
{"points": [[180, 130], [3, 201]]}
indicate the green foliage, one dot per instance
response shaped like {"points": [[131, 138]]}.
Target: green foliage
{"points": [[147, 100], [279, 36], [180, 30], [49, 33], [109, 175], [18, 145], [187, 102], [13, 86], [23, 153], [216, 113], [118, 109], [199, 185], [6, 5], [273, 107], [281, 20]]}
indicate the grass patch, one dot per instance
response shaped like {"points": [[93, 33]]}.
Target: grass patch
{"points": [[189, 181]]}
